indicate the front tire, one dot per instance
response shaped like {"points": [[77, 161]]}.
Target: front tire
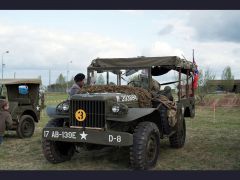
{"points": [[26, 127], [177, 140], [57, 151], [146, 143]]}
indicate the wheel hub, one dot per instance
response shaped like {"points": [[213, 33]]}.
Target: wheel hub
{"points": [[151, 148]]}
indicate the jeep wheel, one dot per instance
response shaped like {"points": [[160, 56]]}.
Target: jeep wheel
{"points": [[177, 140], [25, 127], [145, 149], [57, 151]]}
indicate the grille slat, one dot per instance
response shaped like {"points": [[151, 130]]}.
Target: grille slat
{"points": [[99, 112], [101, 108], [95, 113]]}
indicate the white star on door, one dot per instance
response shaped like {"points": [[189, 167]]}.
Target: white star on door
{"points": [[83, 135]]}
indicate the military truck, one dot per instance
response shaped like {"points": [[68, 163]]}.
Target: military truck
{"points": [[23, 98], [133, 111]]}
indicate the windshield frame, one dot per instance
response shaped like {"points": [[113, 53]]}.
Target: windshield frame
{"points": [[107, 70]]}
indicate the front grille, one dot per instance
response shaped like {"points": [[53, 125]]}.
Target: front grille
{"points": [[95, 113]]}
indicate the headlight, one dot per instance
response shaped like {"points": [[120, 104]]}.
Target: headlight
{"points": [[120, 109], [65, 107], [115, 108]]}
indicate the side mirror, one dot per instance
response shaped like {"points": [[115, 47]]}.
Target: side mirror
{"points": [[23, 89]]}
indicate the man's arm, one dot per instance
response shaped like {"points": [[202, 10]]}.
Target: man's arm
{"points": [[74, 90], [9, 121]]}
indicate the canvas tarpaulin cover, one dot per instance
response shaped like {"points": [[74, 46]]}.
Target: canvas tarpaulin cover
{"points": [[164, 64]]}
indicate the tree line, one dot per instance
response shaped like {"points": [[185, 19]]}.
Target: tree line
{"points": [[61, 84], [206, 85]]}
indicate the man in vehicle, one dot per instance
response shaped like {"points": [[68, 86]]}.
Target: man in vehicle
{"points": [[79, 82]]}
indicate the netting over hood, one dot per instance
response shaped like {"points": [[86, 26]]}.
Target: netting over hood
{"points": [[144, 97]]}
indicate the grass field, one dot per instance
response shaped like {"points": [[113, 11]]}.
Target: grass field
{"points": [[211, 144]]}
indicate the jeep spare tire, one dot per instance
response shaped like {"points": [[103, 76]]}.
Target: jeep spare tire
{"points": [[26, 126]]}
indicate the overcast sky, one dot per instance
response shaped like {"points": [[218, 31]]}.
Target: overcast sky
{"points": [[39, 41]]}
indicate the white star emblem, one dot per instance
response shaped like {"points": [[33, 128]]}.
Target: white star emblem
{"points": [[83, 135]]}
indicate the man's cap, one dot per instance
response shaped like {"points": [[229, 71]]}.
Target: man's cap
{"points": [[79, 77]]}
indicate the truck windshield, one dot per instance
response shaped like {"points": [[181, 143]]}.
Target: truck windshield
{"points": [[130, 77]]}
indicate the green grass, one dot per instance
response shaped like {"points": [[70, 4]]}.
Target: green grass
{"points": [[211, 144], [55, 98]]}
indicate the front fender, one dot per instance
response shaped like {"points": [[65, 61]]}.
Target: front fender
{"points": [[133, 114], [52, 113]]}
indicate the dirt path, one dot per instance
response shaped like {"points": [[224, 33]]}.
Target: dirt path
{"points": [[228, 100]]}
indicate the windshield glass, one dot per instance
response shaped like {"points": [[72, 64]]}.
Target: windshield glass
{"points": [[132, 77]]}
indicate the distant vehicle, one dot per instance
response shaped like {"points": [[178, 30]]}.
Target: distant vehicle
{"points": [[23, 97], [135, 115]]}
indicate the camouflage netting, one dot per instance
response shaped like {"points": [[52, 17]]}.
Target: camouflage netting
{"points": [[144, 97], [172, 109]]}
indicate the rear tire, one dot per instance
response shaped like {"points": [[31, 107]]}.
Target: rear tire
{"points": [[193, 111], [177, 140], [57, 151], [164, 119], [25, 127], [146, 143]]}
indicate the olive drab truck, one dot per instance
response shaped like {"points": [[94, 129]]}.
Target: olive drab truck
{"points": [[23, 98], [130, 108]]}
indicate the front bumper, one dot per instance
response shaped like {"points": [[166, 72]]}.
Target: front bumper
{"points": [[113, 138]]}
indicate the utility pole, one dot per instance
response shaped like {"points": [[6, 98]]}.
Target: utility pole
{"points": [[2, 70], [68, 73], [3, 63], [193, 57], [49, 77]]}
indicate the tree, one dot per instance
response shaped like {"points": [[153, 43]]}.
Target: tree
{"points": [[61, 80], [100, 80], [208, 77], [228, 79], [204, 87], [71, 82]]}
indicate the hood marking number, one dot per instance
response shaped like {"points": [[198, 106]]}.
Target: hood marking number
{"points": [[127, 98], [80, 115]]}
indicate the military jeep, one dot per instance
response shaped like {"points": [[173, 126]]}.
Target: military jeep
{"points": [[23, 98], [133, 111]]}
